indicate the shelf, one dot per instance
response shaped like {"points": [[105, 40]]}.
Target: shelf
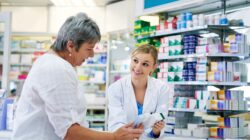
{"points": [[163, 56], [91, 82], [22, 65], [167, 32], [228, 83], [32, 34], [5, 134], [174, 137], [97, 107], [186, 110], [17, 80], [194, 29], [94, 65], [25, 50], [209, 83], [208, 111], [121, 72], [189, 83], [95, 120]]}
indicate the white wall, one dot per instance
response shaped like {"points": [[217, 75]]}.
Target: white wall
{"points": [[28, 19], [120, 15], [59, 14], [117, 16]]}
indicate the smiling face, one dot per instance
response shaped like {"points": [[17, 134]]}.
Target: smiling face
{"points": [[142, 65], [78, 57]]}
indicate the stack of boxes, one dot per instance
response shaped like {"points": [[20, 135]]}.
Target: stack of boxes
{"points": [[227, 100], [228, 128]]}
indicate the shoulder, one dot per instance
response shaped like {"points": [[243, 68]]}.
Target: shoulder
{"points": [[120, 83], [50, 64], [157, 82]]}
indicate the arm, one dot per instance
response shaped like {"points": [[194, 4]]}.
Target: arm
{"points": [[62, 107], [117, 115], [76, 132], [162, 107]]}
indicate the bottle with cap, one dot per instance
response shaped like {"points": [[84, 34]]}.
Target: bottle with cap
{"points": [[223, 20]]}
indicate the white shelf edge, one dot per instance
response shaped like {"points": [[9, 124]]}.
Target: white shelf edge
{"points": [[33, 34], [209, 83], [93, 107], [93, 65], [175, 137], [17, 64], [95, 120], [189, 83], [229, 83], [91, 82], [5, 134], [186, 110], [167, 32], [116, 71], [163, 56]]}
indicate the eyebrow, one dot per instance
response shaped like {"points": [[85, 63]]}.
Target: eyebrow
{"points": [[144, 61]]}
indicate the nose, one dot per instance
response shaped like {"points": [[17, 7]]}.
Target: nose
{"points": [[137, 66], [91, 54]]}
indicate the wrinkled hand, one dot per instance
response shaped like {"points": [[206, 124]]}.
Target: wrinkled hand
{"points": [[157, 127], [127, 132]]}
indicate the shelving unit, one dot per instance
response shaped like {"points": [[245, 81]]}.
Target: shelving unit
{"points": [[120, 47], [190, 96], [92, 77]]}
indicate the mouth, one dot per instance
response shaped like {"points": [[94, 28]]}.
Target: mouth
{"points": [[137, 73]]}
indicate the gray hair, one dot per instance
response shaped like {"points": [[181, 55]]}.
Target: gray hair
{"points": [[79, 29]]}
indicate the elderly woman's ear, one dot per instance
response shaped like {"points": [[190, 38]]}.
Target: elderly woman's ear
{"points": [[70, 46]]}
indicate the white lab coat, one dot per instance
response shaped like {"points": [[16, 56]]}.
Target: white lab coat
{"points": [[122, 102]]}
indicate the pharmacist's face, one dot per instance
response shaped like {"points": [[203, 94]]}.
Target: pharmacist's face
{"points": [[85, 51], [142, 65]]}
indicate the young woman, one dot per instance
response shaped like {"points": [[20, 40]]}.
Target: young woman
{"points": [[52, 105], [138, 93]]}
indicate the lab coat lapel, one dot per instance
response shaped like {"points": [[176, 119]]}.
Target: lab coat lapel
{"points": [[131, 94], [148, 96]]}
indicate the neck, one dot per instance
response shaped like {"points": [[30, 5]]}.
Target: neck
{"points": [[63, 55], [139, 83]]}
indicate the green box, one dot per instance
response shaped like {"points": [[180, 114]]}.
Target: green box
{"points": [[141, 24]]}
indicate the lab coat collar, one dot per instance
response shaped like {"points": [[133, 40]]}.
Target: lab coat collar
{"points": [[147, 97]]}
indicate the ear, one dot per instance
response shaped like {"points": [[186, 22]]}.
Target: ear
{"points": [[70, 46]]}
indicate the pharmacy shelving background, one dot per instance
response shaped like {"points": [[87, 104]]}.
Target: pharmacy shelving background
{"points": [[203, 55]]}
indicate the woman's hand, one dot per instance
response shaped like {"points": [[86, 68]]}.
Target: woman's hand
{"points": [[157, 127], [127, 132]]}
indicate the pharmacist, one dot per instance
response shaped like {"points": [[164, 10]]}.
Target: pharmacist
{"points": [[138, 93], [51, 106]]}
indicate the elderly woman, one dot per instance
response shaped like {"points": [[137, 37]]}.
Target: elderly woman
{"points": [[52, 106]]}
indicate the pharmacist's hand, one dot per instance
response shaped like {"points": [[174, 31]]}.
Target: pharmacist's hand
{"points": [[157, 127], [127, 132], [140, 126]]}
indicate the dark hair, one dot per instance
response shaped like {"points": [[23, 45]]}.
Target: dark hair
{"points": [[79, 29]]}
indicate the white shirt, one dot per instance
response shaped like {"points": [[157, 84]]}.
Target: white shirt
{"points": [[50, 102], [123, 106]]}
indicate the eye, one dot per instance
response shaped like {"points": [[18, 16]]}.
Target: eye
{"points": [[135, 60], [145, 64]]}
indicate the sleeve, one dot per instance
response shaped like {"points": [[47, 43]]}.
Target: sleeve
{"points": [[59, 90], [117, 115], [163, 101]]}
